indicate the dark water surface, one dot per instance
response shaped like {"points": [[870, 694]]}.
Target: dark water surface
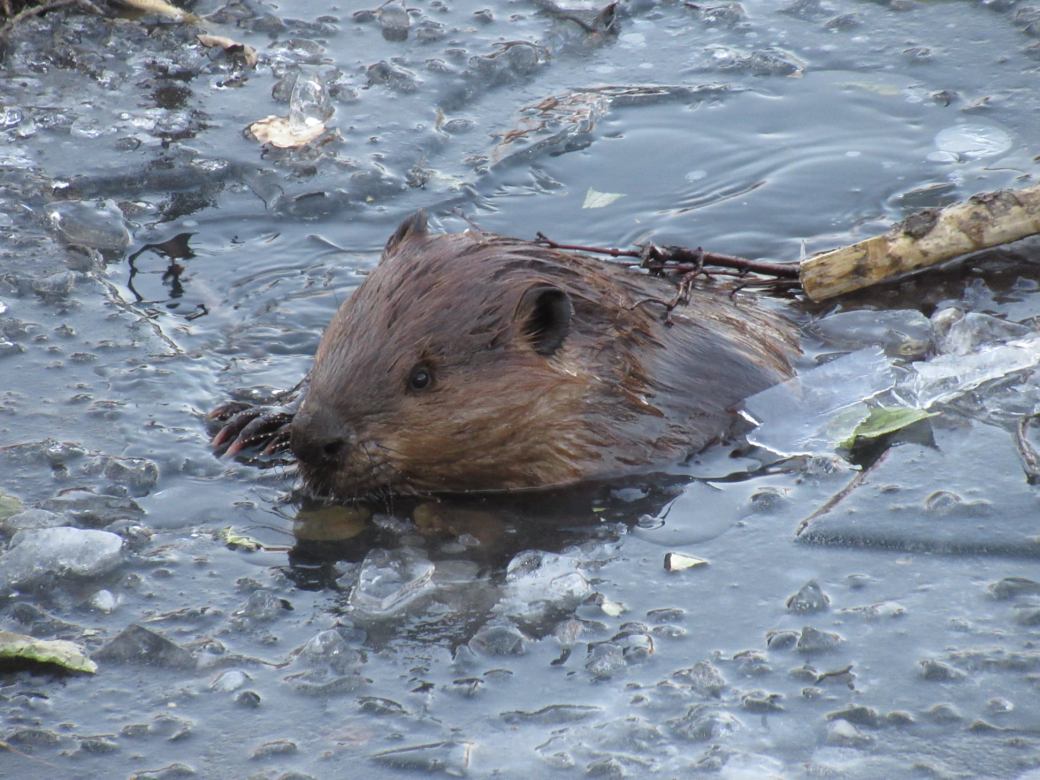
{"points": [[542, 638]]}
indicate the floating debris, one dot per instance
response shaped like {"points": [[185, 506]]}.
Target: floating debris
{"points": [[21, 648], [231, 47], [680, 561]]}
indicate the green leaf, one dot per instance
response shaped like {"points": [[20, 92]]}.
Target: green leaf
{"points": [[9, 505], [21, 647], [884, 420], [237, 541]]}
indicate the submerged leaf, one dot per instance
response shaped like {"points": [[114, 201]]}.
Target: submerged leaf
{"points": [[884, 420], [237, 541], [24, 648]]}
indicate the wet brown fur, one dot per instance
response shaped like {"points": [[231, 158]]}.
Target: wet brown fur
{"points": [[624, 390]]}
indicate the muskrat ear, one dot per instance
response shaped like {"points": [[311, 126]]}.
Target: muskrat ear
{"points": [[545, 316], [414, 225]]}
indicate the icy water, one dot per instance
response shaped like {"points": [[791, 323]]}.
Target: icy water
{"points": [[156, 260]]}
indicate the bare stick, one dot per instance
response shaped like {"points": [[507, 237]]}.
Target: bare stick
{"points": [[923, 239]]}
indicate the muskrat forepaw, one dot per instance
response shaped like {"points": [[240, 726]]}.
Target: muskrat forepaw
{"points": [[254, 427]]}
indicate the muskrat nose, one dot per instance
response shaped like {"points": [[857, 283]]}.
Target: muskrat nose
{"points": [[317, 436]]}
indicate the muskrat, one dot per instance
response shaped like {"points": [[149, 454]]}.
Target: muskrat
{"points": [[471, 361]]}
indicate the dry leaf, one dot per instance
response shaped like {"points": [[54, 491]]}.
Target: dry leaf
{"points": [[280, 132], [230, 47], [161, 8], [594, 199]]}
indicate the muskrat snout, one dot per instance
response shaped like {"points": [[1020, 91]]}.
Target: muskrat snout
{"points": [[318, 437]]}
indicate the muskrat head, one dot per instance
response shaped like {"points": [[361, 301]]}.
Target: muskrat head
{"points": [[450, 368]]}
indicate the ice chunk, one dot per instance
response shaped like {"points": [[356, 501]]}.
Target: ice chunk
{"points": [[81, 223], [390, 579], [961, 334], [812, 412], [308, 105], [973, 141], [902, 332], [39, 552], [947, 377], [538, 580]]}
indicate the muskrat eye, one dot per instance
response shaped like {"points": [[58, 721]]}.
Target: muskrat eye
{"points": [[421, 377]]}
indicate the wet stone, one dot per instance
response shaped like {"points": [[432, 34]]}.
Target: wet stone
{"points": [[139, 645], [229, 681], [248, 699], [937, 671], [809, 598], [998, 705], [499, 639], [899, 718], [882, 609], [92, 510], [136, 475], [610, 768], [782, 640], [1012, 587], [944, 713], [702, 723], [99, 226], [704, 677], [394, 21], [261, 607], [731, 15], [32, 518], [762, 701], [169, 772], [34, 738], [1027, 615], [170, 728], [55, 286], [843, 734], [553, 715], [814, 641], [451, 758], [859, 714], [98, 745], [394, 77], [63, 551], [752, 663], [377, 705], [996, 659], [604, 659], [277, 747]]}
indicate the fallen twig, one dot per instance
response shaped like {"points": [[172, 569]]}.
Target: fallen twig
{"points": [[1030, 458]]}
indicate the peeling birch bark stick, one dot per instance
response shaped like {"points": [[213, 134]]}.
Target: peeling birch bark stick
{"points": [[923, 239]]}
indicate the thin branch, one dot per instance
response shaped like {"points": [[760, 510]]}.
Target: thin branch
{"points": [[680, 259]]}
